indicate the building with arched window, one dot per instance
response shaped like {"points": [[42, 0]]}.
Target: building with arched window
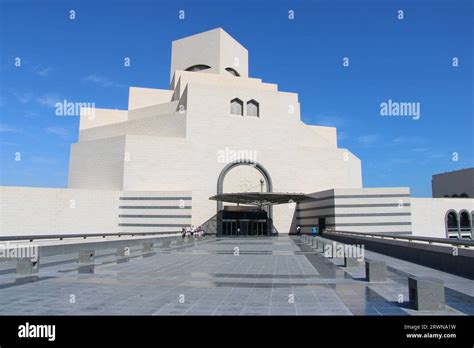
{"points": [[458, 183], [162, 164]]}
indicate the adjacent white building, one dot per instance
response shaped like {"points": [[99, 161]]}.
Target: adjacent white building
{"points": [[455, 184], [154, 166]]}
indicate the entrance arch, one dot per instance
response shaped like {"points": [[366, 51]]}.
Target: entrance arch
{"points": [[229, 166]]}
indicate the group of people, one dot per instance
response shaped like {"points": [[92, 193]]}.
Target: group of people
{"points": [[314, 231], [189, 231]]}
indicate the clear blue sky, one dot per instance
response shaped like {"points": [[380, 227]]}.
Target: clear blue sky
{"points": [[404, 60]]}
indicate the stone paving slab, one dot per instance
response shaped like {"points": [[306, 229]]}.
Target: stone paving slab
{"points": [[268, 276]]}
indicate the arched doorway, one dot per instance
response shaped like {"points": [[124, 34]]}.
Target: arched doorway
{"points": [[465, 224], [230, 166], [244, 220], [452, 224]]}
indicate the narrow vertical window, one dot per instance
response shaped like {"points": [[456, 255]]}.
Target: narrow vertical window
{"points": [[237, 107], [252, 108]]}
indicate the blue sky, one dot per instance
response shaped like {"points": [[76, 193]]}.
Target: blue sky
{"points": [[407, 60]]}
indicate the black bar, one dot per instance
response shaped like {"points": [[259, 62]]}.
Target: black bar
{"points": [[135, 330]]}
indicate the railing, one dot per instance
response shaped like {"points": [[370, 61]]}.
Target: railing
{"points": [[465, 232], [429, 240], [32, 238]]}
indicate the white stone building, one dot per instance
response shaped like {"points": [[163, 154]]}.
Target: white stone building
{"points": [[154, 166]]}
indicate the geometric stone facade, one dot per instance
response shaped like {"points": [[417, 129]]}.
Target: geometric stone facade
{"points": [[180, 139], [153, 167]]}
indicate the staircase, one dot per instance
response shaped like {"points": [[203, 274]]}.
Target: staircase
{"points": [[210, 226]]}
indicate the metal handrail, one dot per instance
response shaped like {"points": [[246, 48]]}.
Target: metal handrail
{"points": [[31, 238], [430, 240]]}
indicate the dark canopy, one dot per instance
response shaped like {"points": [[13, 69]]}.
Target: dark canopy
{"points": [[260, 198]]}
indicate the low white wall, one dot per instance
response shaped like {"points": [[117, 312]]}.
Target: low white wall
{"points": [[371, 210], [31, 211], [154, 211], [428, 214], [39, 211]]}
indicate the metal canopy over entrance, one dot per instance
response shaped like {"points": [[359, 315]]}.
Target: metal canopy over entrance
{"points": [[260, 198], [251, 219]]}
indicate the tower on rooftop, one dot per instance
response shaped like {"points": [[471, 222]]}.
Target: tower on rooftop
{"points": [[212, 51]]}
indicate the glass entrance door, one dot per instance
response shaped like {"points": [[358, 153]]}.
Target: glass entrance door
{"points": [[229, 228], [244, 223]]}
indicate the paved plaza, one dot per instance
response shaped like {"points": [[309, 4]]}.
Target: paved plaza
{"points": [[227, 276]]}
